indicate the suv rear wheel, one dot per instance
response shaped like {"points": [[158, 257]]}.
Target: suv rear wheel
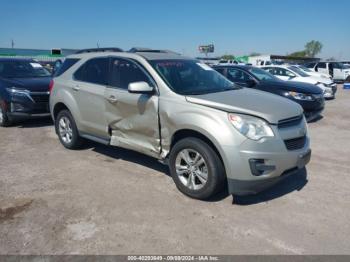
{"points": [[4, 120], [67, 130], [196, 168]]}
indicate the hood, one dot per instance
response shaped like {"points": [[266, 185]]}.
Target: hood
{"points": [[298, 87], [252, 102], [37, 84]]}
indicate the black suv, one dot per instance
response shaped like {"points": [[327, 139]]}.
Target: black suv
{"points": [[24, 90], [310, 97]]}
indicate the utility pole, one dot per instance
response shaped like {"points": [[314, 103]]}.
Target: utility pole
{"points": [[12, 43], [98, 46]]}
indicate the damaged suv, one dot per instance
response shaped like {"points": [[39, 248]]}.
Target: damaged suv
{"points": [[212, 133]]}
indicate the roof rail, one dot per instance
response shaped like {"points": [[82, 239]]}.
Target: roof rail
{"points": [[149, 50], [103, 49]]}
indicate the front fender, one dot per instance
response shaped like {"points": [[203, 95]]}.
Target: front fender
{"points": [[211, 123]]}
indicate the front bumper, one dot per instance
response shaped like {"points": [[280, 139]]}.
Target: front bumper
{"points": [[330, 95], [279, 160], [22, 107], [248, 187]]}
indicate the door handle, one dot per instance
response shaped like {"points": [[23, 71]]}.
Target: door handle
{"points": [[76, 88], [112, 99]]}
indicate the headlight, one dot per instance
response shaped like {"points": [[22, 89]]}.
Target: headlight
{"points": [[19, 92], [299, 96], [252, 127], [328, 90]]}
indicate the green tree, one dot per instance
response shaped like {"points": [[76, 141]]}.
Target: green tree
{"points": [[228, 57], [313, 48], [298, 54]]}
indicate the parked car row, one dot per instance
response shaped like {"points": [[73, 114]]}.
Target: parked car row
{"points": [[234, 127], [294, 73], [310, 97], [335, 69]]}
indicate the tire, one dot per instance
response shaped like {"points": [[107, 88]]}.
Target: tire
{"points": [[67, 131], [4, 120], [200, 176]]}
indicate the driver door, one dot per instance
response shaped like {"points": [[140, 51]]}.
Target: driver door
{"points": [[132, 119]]}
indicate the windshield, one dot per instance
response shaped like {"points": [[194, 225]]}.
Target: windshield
{"points": [[298, 71], [190, 77], [262, 74], [304, 68], [22, 69]]}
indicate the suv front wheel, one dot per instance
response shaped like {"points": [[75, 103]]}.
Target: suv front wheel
{"points": [[67, 131], [196, 168]]}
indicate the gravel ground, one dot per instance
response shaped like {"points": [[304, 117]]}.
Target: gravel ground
{"points": [[104, 200]]}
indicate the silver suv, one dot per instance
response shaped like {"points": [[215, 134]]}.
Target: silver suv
{"points": [[212, 133]]}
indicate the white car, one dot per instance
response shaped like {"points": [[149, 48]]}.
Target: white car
{"points": [[312, 72], [335, 69], [292, 73]]}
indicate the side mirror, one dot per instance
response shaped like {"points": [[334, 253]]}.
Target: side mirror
{"points": [[140, 88], [250, 83]]}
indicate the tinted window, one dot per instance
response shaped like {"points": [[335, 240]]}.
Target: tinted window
{"points": [[124, 72], [94, 71], [237, 75], [337, 65], [22, 69], [321, 65], [310, 65], [68, 63]]}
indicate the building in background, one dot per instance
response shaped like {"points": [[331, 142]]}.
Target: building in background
{"points": [[42, 55]]}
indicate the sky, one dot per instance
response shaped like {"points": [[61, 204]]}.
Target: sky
{"points": [[236, 27]]}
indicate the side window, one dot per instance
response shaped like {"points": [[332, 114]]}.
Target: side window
{"points": [[94, 71], [124, 72], [310, 65], [283, 72], [270, 70], [68, 63], [290, 73], [321, 65], [220, 70], [237, 75]]}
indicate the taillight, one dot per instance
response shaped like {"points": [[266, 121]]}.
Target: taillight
{"points": [[51, 86]]}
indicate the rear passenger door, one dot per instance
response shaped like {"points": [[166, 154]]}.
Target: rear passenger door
{"points": [[132, 118], [88, 89]]}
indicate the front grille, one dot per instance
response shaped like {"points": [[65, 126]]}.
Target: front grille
{"points": [[295, 143], [40, 98], [293, 121]]}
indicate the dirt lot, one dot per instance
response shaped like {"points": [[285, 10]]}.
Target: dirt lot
{"points": [[103, 200]]}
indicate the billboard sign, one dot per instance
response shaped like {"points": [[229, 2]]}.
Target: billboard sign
{"points": [[206, 49]]}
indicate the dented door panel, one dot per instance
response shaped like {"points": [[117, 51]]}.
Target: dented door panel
{"points": [[132, 120]]}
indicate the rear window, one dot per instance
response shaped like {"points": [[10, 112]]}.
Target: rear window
{"points": [[68, 63]]}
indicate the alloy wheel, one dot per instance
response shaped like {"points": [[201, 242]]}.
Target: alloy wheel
{"points": [[191, 169], [65, 130]]}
